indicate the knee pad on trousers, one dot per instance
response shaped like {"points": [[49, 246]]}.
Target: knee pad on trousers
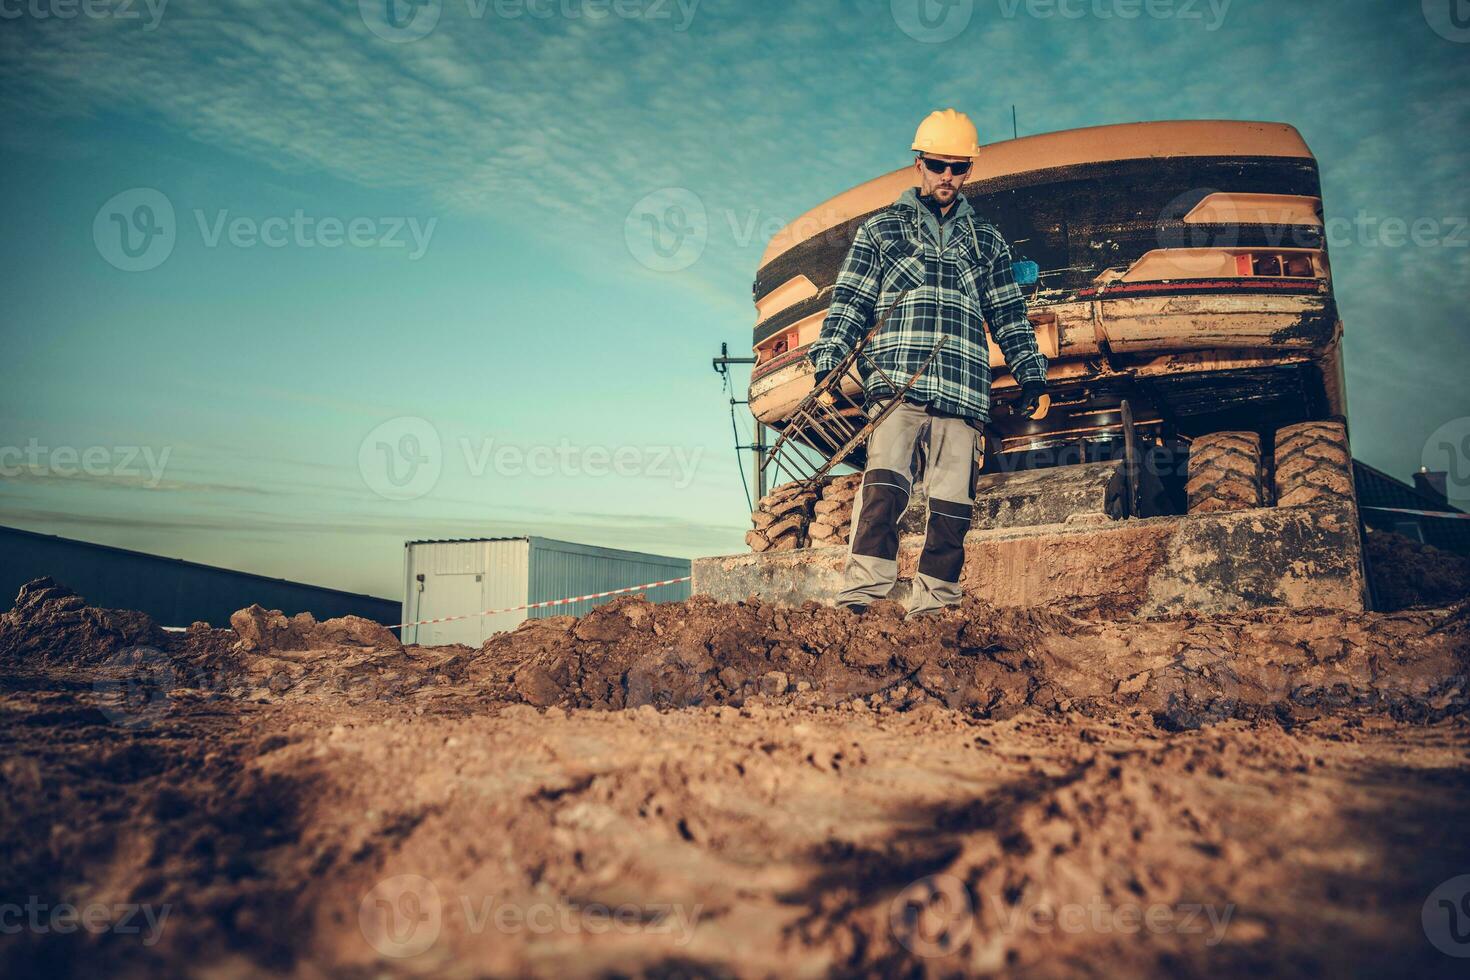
{"points": [[885, 497], [944, 539]]}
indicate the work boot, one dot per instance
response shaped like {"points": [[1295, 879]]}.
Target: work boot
{"points": [[856, 608]]}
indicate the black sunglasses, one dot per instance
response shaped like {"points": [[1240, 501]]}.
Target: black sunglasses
{"points": [[958, 168]]}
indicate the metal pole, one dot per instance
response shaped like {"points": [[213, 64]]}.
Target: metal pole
{"points": [[759, 450], [721, 365]]}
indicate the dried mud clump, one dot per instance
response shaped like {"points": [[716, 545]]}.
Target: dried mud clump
{"points": [[1408, 573], [1189, 672], [50, 625], [270, 629]]}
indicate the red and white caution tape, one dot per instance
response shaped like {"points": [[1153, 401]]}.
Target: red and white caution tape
{"points": [[529, 605], [549, 603], [1447, 515]]}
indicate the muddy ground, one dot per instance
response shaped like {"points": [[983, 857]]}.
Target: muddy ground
{"points": [[700, 789]]}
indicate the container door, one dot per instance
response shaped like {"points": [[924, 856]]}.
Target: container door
{"points": [[451, 595]]}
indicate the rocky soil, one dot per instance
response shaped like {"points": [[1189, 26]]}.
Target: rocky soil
{"points": [[699, 789]]}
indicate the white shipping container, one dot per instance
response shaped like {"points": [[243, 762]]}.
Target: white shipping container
{"points": [[455, 578]]}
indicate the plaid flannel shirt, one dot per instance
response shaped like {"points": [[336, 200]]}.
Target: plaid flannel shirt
{"points": [[950, 289]]}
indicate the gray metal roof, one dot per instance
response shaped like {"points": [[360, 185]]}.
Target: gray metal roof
{"points": [[113, 549], [514, 537], [558, 544]]}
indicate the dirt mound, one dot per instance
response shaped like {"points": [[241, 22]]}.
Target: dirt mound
{"points": [[52, 625], [629, 653], [1188, 671], [795, 791], [1408, 573], [270, 629]]}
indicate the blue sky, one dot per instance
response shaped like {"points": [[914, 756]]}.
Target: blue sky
{"points": [[407, 291]]}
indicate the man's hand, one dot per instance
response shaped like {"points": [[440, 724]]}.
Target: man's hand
{"points": [[1031, 393], [817, 378]]}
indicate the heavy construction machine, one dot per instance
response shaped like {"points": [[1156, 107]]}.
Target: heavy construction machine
{"points": [[1179, 283]]}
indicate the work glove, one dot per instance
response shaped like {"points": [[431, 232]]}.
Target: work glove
{"points": [[1031, 393], [818, 377]]}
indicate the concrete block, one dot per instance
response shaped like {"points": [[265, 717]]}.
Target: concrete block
{"points": [[1288, 557], [1086, 493], [1030, 498]]}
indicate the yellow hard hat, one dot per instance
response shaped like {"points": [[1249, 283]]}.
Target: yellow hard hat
{"points": [[947, 133]]}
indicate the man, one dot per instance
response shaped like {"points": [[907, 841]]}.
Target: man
{"points": [[957, 269]]}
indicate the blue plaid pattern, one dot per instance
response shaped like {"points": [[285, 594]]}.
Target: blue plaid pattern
{"points": [[950, 290]]}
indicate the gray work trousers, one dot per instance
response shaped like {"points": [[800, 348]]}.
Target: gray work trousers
{"points": [[953, 452]]}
